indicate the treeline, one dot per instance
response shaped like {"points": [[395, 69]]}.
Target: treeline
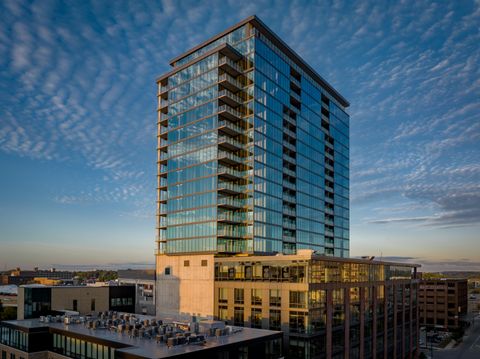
{"points": [[97, 275]]}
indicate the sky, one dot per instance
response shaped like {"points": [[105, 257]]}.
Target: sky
{"points": [[78, 115]]}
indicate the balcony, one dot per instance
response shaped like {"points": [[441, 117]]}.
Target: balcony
{"points": [[229, 113], [229, 83], [230, 173], [230, 128], [329, 200], [288, 238], [329, 211], [289, 146], [230, 188], [289, 211], [328, 233], [234, 217], [162, 184], [329, 222], [289, 120], [230, 98], [289, 172], [289, 185], [295, 82], [289, 224], [289, 198], [162, 198], [230, 143], [229, 66], [235, 231], [229, 158], [232, 203], [329, 156], [289, 159], [290, 133], [162, 223], [296, 96]]}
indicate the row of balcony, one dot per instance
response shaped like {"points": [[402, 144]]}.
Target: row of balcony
{"points": [[234, 231], [231, 216]]}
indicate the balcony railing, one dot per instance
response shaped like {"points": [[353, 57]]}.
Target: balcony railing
{"points": [[231, 202], [289, 198], [230, 156], [229, 113], [289, 224], [235, 217], [289, 146], [231, 143], [231, 172], [229, 82], [289, 211], [289, 158], [231, 187], [230, 98], [230, 127], [289, 185], [234, 231], [289, 172], [290, 133], [230, 66], [288, 238]]}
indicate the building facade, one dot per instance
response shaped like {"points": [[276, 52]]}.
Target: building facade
{"points": [[35, 301], [326, 307], [253, 167], [111, 336], [144, 282], [443, 303], [253, 151]]}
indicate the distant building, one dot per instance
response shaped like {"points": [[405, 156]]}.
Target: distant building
{"points": [[35, 301], [144, 281], [133, 338], [20, 277], [443, 303]]}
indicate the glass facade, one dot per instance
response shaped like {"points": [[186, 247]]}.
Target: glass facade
{"points": [[253, 153], [326, 307]]}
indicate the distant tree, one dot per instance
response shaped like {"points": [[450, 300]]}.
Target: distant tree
{"points": [[8, 313]]}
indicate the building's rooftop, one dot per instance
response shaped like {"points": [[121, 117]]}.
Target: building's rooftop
{"points": [[305, 254], [149, 345], [279, 43], [142, 274]]}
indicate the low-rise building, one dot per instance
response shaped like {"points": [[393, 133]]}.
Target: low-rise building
{"points": [[123, 336], [35, 300], [326, 307], [144, 281], [443, 303]]}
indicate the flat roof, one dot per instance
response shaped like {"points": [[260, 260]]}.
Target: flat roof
{"points": [[142, 347], [306, 254], [277, 41]]}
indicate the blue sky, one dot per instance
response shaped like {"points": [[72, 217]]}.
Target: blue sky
{"points": [[77, 121]]}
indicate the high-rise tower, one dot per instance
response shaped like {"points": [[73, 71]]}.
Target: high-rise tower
{"points": [[253, 151]]}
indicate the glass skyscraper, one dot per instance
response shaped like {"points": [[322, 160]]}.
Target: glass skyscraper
{"points": [[253, 150]]}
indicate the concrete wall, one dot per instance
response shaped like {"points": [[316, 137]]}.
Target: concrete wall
{"points": [[187, 290], [20, 303], [62, 298]]}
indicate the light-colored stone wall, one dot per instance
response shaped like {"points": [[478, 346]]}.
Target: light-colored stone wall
{"points": [[21, 303], [63, 297], [187, 290]]}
